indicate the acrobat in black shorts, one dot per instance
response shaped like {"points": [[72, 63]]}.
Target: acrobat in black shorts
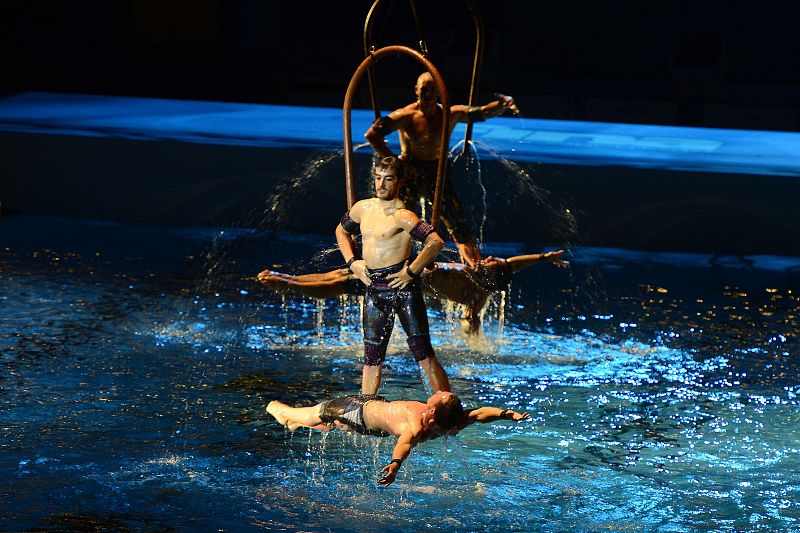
{"points": [[381, 302]]}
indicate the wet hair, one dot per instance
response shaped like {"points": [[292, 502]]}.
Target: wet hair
{"points": [[448, 413], [391, 163]]}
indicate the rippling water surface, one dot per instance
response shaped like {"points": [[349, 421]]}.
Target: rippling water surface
{"points": [[137, 362]]}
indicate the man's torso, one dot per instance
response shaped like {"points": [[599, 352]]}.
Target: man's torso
{"points": [[421, 138], [394, 417], [383, 240]]}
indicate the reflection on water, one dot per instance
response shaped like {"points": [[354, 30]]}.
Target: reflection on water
{"points": [[664, 396]]}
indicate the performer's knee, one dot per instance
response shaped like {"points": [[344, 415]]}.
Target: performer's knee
{"points": [[374, 354], [420, 346]]}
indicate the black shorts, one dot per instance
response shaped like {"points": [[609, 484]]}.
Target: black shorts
{"points": [[349, 410], [381, 303]]}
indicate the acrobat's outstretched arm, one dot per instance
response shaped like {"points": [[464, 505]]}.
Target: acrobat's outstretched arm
{"points": [[485, 415], [498, 106], [519, 262], [401, 450]]}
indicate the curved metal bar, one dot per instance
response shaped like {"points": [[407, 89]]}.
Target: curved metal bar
{"points": [[476, 68], [348, 130], [368, 49]]}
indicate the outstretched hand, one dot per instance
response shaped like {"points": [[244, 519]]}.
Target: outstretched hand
{"points": [[490, 261], [516, 417], [555, 258], [391, 472], [507, 102]]}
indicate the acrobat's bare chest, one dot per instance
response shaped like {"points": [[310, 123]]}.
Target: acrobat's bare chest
{"points": [[380, 226], [426, 129]]}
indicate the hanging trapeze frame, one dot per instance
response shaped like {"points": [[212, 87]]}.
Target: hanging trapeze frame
{"points": [[348, 130], [476, 63]]}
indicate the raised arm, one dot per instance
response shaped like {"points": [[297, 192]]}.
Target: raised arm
{"points": [[498, 106], [401, 450], [377, 132], [345, 231]]}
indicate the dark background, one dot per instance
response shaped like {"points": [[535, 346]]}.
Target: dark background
{"points": [[666, 62], [732, 64]]}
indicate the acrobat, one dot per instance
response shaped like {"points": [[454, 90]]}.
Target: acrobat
{"points": [[392, 279], [460, 283], [409, 421], [419, 126]]}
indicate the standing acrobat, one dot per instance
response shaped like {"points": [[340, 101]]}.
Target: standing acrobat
{"points": [[393, 282]]}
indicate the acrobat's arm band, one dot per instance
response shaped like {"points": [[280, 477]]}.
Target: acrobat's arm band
{"points": [[474, 114], [421, 231], [349, 225], [384, 124]]}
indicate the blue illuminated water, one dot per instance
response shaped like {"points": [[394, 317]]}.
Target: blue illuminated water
{"points": [[137, 362]]}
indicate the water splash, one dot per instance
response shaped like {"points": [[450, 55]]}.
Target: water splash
{"points": [[560, 217], [276, 212], [474, 159]]}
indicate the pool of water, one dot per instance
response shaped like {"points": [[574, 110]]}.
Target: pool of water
{"points": [[137, 363]]}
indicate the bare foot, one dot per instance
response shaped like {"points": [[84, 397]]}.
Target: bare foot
{"points": [[274, 408], [269, 277]]}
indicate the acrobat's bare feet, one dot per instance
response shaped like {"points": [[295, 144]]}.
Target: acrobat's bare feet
{"points": [[269, 276], [275, 408]]}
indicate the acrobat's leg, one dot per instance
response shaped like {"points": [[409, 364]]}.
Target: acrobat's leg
{"points": [[471, 323], [414, 319], [319, 285], [436, 374], [294, 417], [459, 229], [371, 377], [377, 326]]}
